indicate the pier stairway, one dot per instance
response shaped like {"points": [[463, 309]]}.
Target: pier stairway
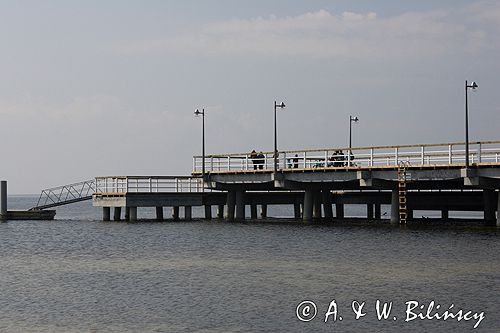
{"points": [[66, 194]]}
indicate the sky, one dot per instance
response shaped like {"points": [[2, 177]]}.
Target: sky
{"points": [[107, 87]]}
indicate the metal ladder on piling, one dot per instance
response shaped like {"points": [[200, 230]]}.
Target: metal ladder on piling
{"points": [[402, 193]]}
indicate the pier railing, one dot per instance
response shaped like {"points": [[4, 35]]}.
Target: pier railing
{"points": [[483, 152], [147, 184]]}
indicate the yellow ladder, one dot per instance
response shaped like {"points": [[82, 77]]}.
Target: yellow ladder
{"points": [[402, 178]]}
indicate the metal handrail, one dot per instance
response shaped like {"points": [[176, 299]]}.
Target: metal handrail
{"points": [[148, 184], [66, 194], [382, 156]]}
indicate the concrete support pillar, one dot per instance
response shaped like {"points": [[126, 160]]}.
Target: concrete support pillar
{"points": [[220, 211], [188, 213], [339, 211], [117, 213], [253, 211], [3, 198], [395, 207], [263, 211], [133, 214], [240, 205], [127, 213], [327, 204], [378, 214], [369, 211], [445, 214], [231, 201], [175, 213], [208, 212], [317, 205], [106, 213], [159, 214], [489, 206], [498, 210], [296, 210], [308, 205]]}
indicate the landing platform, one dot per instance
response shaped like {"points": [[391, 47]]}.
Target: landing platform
{"points": [[28, 215]]}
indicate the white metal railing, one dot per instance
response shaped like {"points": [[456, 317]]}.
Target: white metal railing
{"points": [[148, 184], [485, 152]]}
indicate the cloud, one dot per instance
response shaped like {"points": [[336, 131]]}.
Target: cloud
{"points": [[322, 34]]}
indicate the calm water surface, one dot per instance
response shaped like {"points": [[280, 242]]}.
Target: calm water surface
{"points": [[76, 274]]}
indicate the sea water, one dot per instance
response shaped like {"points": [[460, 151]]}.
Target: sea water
{"points": [[78, 274]]}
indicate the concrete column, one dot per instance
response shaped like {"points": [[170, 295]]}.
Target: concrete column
{"points": [[308, 205], [327, 204], [240, 205], [378, 214], [188, 213], [208, 212], [339, 211], [175, 213], [159, 213], [231, 201], [106, 213], [489, 206], [369, 211], [3, 198], [317, 205], [263, 211], [133, 214], [445, 214], [220, 211], [296, 211], [117, 213], [498, 210], [253, 211], [395, 207], [127, 213]]}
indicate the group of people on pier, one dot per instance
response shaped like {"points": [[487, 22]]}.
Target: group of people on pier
{"points": [[257, 159], [338, 159]]}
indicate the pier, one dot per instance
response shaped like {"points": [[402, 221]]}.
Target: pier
{"points": [[318, 183]]}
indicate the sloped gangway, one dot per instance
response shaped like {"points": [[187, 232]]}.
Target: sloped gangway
{"points": [[66, 194]]}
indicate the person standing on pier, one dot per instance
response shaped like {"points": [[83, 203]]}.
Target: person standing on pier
{"points": [[253, 157], [260, 158]]}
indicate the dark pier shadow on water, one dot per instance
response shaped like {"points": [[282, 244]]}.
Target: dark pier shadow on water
{"points": [[351, 222]]}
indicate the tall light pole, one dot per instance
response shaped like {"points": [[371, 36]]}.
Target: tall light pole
{"points": [[276, 105], [351, 119], [472, 86], [197, 113]]}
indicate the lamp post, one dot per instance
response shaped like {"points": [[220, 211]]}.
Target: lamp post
{"points": [[472, 86], [197, 113], [276, 105], [351, 119]]}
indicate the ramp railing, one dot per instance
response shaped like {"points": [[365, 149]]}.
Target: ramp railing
{"points": [[66, 194], [110, 185]]}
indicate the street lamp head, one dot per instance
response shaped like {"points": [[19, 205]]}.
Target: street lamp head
{"points": [[281, 105], [198, 112], [473, 85], [355, 119]]}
